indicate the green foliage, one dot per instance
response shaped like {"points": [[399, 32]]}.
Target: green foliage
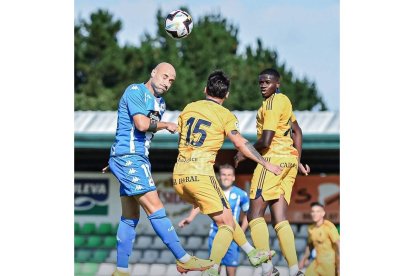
{"points": [[103, 68]]}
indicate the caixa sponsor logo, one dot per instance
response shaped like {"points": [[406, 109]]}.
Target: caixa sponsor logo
{"points": [[287, 165], [91, 196]]}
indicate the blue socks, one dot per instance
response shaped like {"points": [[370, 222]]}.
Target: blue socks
{"points": [[162, 226], [125, 238], [165, 230]]}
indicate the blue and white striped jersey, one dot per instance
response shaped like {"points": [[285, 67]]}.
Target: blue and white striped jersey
{"points": [[137, 99]]}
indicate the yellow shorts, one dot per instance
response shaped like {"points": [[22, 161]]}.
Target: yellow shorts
{"points": [[324, 267], [271, 186], [202, 191]]}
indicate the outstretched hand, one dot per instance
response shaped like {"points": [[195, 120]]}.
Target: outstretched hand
{"points": [[239, 157], [273, 168], [304, 169], [303, 263], [184, 222], [106, 169], [172, 127]]}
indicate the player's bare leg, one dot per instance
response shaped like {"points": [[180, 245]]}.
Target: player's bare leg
{"points": [[231, 270]]}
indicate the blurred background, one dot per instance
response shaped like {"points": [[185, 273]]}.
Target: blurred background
{"points": [[120, 42]]}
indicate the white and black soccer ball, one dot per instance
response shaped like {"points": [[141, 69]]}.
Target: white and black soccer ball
{"points": [[178, 24]]}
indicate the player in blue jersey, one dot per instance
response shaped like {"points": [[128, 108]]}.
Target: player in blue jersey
{"points": [[239, 201], [139, 117]]}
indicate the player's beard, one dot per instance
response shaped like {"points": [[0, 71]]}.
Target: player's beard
{"points": [[158, 92]]}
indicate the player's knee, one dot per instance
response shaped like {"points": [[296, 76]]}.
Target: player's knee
{"points": [[278, 217], [249, 217], [231, 223], [219, 220], [255, 211], [228, 218], [225, 219], [252, 214], [130, 214], [159, 214]]}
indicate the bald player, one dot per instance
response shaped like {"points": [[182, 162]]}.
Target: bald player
{"points": [[139, 116]]}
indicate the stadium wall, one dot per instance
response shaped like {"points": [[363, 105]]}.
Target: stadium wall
{"points": [[97, 197]]}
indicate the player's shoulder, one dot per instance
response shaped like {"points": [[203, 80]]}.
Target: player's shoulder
{"points": [[230, 115], [329, 224], [280, 97], [238, 190], [189, 106], [220, 110], [225, 112], [276, 99], [195, 105], [136, 89]]}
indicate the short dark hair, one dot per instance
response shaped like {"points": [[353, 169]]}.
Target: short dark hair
{"points": [[272, 72], [317, 204], [227, 166], [218, 84]]}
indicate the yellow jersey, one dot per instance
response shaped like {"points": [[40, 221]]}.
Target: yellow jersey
{"points": [[322, 238], [276, 114], [203, 126]]}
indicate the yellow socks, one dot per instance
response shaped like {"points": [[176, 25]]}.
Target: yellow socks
{"points": [[260, 233], [286, 242], [239, 236], [221, 243]]}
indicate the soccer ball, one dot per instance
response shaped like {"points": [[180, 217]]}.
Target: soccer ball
{"points": [[178, 24]]}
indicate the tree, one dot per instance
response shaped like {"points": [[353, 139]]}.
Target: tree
{"points": [[103, 68], [99, 68]]}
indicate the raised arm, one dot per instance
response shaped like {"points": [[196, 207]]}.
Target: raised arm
{"points": [[263, 143], [250, 152], [143, 123]]}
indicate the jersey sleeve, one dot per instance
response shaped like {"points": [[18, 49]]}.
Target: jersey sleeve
{"points": [[333, 233], [135, 101], [272, 113], [293, 117], [231, 123], [244, 201]]}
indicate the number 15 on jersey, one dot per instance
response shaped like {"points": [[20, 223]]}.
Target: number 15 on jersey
{"points": [[196, 132]]}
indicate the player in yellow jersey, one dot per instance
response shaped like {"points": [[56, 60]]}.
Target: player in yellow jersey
{"points": [[280, 142], [324, 237], [203, 125]]}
